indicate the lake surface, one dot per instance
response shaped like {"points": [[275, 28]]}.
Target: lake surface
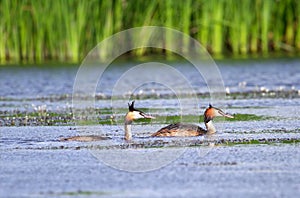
{"points": [[257, 150], [27, 82]]}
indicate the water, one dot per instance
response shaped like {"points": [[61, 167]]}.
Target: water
{"points": [[36, 112], [225, 171], [238, 76]]}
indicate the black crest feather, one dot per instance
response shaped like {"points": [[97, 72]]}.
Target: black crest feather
{"points": [[131, 106]]}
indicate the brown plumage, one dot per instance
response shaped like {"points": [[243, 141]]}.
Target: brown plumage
{"points": [[86, 138], [185, 130], [181, 130]]}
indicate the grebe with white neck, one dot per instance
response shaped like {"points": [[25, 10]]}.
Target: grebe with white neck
{"points": [[133, 114], [185, 130]]}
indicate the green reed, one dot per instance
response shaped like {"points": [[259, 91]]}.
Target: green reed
{"points": [[66, 30], [297, 36], [4, 15]]}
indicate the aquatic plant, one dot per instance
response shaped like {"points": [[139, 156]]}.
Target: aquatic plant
{"points": [[65, 30]]}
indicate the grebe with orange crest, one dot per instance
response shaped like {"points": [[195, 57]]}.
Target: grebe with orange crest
{"points": [[186, 130]]}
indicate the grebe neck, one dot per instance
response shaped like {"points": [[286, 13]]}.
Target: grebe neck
{"points": [[127, 128], [210, 127]]}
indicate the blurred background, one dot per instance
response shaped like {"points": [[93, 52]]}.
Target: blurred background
{"points": [[34, 31]]}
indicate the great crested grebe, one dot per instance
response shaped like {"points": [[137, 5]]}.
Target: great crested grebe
{"points": [[133, 114], [185, 130]]}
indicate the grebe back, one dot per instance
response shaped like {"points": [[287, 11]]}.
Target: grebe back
{"points": [[185, 130]]}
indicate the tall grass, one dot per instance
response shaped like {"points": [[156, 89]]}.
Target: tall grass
{"points": [[297, 26], [65, 30]]}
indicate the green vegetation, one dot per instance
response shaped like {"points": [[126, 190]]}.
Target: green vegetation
{"points": [[103, 117], [36, 119], [192, 118], [65, 30], [247, 117], [259, 141]]}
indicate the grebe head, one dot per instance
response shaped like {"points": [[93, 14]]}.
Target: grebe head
{"points": [[134, 114], [212, 112]]}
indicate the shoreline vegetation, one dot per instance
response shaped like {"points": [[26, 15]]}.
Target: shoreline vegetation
{"points": [[34, 31]]}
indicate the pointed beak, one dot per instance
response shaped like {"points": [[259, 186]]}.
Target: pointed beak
{"points": [[225, 114], [147, 116]]}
